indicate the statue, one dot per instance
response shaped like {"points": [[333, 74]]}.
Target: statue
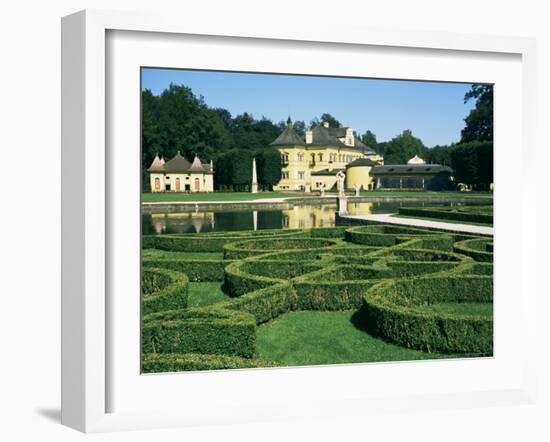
{"points": [[357, 189], [342, 202], [341, 177]]}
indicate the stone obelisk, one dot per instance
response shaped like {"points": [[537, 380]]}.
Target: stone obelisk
{"points": [[254, 177]]}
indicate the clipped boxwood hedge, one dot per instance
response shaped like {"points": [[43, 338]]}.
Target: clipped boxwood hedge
{"points": [[209, 242], [244, 249], [389, 272], [449, 213], [382, 234], [197, 270], [173, 362], [163, 289], [390, 313], [247, 276], [199, 330], [475, 248]]}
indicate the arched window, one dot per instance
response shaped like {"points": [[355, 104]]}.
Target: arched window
{"points": [[178, 185], [157, 183], [197, 185]]}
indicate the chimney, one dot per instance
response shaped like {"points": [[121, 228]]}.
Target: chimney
{"points": [[309, 136], [325, 123]]}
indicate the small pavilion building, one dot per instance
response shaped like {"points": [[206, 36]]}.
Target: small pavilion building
{"points": [[179, 175], [415, 175]]}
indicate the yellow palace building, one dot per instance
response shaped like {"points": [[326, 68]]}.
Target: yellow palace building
{"points": [[311, 162]]}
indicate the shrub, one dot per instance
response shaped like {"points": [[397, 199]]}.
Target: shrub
{"points": [[163, 290], [452, 214], [329, 232], [197, 270], [475, 248], [173, 362], [265, 304], [391, 279], [244, 249], [390, 313], [206, 330], [209, 242]]}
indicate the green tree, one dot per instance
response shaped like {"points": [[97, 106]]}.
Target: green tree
{"points": [[473, 163], [241, 168], [325, 118], [479, 122], [370, 140], [268, 162], [440, 155], [402, 148]]}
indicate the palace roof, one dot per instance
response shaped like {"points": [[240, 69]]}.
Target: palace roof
{"points": [[289, 137], [179, 164], [321, 136], [363, 162]]}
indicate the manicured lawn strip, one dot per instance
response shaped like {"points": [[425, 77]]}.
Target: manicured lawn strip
{"points": [[444, 220], [214, 196], [461, 308], [205, 293], [247, 196], [313, 337]]}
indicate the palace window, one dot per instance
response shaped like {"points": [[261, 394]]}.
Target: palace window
{"points": [[301, 175], [320, 157], [284, 175], [300, 157]]}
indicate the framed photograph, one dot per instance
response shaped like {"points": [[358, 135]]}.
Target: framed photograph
{"points": [[272, 222]]}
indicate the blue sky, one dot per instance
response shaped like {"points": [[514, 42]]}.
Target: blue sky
{"points": [[433, 111]]}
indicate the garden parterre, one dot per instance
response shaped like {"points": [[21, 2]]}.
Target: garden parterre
{"points": [[387, 274]]}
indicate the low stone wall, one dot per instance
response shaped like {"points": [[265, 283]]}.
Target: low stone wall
{"points": [[148, 207]]}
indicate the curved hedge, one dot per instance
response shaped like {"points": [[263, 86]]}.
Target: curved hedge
{"points": [[392, 313], [382, 235], [477, 248], [467, 213], [197, 270], [209, 242], [246, 276], [253, 247], [163, 289], [390, 273]]}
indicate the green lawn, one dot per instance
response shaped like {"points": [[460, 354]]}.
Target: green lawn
{"points": [[461, 308], [440, 220], [205, 293], [214, 196], [247, 196], [313, 337]]}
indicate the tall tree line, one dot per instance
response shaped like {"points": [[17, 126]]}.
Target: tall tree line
{"points": [[471, 158], [177, 120]]}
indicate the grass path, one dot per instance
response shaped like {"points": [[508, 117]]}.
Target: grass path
{"points": [[312, 337], [205, 293]]}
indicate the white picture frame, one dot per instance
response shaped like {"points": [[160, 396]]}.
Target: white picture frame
{"points": [[87, 213]]}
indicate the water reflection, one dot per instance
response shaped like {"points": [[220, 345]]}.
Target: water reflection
{"points": [[297, 217]]}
